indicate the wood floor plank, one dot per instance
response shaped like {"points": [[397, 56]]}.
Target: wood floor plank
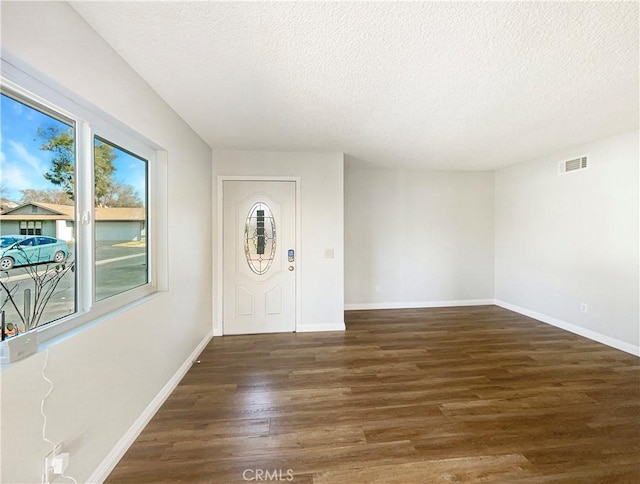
{"points": [[502, 468], [474, 394]]}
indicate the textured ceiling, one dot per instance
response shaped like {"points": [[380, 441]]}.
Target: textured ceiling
{"points": [[434, 84]]}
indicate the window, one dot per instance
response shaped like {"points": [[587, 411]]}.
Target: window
{"points": [[260, 238], [38, 149], [46, 240], [120, 220], [79, 229], [30, 228]]}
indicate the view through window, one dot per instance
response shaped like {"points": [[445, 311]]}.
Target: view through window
{"points": [[120, 220], [39, 192], [37, 226]]}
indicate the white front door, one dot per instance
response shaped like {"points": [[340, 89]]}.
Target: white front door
{"points": [[259, 263]]}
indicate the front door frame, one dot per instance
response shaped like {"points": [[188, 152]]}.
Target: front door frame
{"points": [[218, 310]]}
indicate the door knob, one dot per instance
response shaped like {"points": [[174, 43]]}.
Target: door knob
{"points": [[290, 268]]}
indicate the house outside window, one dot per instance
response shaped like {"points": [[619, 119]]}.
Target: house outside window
{"points": [[100, 225]]}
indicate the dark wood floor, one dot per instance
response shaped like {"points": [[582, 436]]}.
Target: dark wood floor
{"points": [[477, 394]]}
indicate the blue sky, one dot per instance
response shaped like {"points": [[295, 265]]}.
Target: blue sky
{"points": [[22, 162]]}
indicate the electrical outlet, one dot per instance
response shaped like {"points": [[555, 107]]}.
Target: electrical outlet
{"points": [[51, 461], [47, 475], [584, 308], [60, 463]]}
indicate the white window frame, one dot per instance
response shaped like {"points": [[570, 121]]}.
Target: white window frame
{"points": [[90, 121]]}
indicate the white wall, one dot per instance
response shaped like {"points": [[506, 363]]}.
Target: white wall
{"points": [[418, 238], [321, 199], [105, 376], [564, 240]]}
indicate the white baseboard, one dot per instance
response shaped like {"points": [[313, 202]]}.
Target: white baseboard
{"points": [[572, 328], [311, 328], [411, 305], [111, 460]]}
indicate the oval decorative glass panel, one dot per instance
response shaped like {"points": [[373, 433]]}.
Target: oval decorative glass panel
{"points": [[260, 238]]}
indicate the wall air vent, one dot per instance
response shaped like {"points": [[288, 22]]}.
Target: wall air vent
{"points": [[573, 165]]}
